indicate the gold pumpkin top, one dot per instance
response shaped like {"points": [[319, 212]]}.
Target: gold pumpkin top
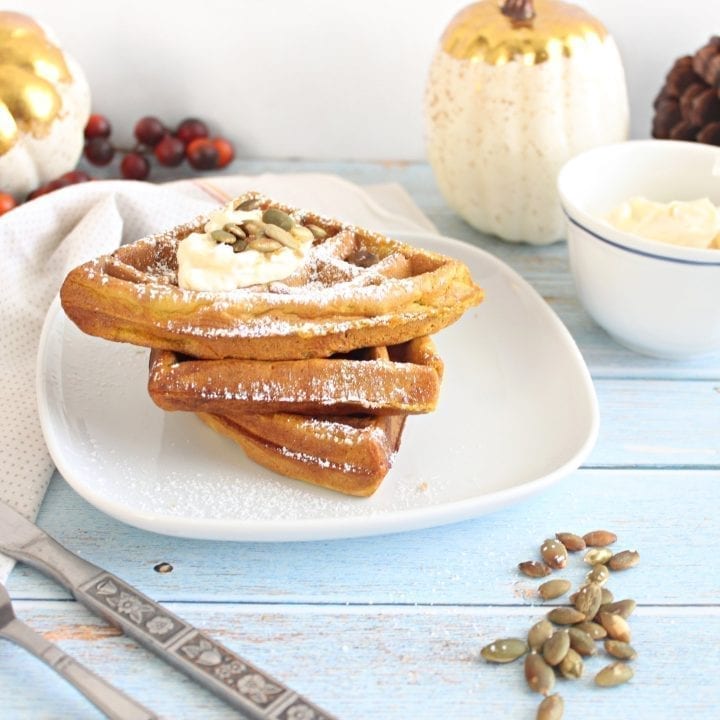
{"points": [[532, 33], [30, 69]]}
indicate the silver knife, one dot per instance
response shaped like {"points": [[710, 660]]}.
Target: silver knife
{"points": [[235, 680]]}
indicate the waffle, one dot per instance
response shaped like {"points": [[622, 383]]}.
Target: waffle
{"points": [[351, 455], [399, 379], [333, 303]]}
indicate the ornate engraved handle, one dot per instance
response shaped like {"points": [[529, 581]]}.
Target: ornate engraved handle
{"points": [[237, 681]]}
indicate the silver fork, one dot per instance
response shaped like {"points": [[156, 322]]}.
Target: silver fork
{"points": [[108, 699]]}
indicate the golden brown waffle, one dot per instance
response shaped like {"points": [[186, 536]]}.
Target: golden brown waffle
{"points": [[402, 378], [351, 455], [332, 304]]}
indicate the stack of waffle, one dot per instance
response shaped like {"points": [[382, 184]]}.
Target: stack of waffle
{"points": [[312, 374]]}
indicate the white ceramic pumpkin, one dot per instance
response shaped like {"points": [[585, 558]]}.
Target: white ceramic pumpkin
{"points": [[44, 106], [515, 90]]}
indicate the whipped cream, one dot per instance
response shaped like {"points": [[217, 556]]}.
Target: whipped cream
{"points": [[694, 223], [204, 264]]}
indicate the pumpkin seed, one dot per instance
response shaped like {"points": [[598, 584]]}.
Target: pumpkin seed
{"points": [[624, 608], [539, 633], [551, 708], [264, 245], [247, 205], [239, 245], [620, 649], [573, 543], [566, 616], [624, 560], [588, 599], [571, 666], [593, 629], [317, 231], [606, 596], [538, 674], [253, 227], [275, 216], [556, 647], [223, 236], [615, 674], [599, 574], [282, 236], [597, 556], [617, 626], [554, 588], [554, 553], [302, 233], [505, 650], [581, 641], [534, 569], [235, 229], [599, 538]]}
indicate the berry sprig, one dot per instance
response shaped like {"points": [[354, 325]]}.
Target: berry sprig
{"points": [[190, 141]]}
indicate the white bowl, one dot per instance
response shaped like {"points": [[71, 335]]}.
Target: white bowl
{"points": [[654, 298]]}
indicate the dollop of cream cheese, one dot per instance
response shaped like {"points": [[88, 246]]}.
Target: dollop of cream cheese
{"points": [[204, 264], [694, 223]]}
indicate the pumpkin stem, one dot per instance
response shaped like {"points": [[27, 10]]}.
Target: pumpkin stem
{"points": [[518, 10]]}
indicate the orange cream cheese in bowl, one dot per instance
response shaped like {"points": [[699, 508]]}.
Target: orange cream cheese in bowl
{"points": [[693, 223], [239, 248]]}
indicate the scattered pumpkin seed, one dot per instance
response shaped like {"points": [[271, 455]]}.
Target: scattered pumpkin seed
{"points": [[599, 574], [617, 626], [606, 596], [239, 245], [275, 216], [538, 674], [581, 641], [556, 647], [552, 589], [554, 553], [593, 629], [619, 649], [598, 556], [253, 227], [624, 608], [235, 229], [539, 633], [588, 600], [599, 538], [264, 245], [282, 236], [551, 708], [302, 233], [505, 650], [624, 560], [223, 236], [573, 543], [534, 568], [247, 205], [566, 616], [318, 232], [615, 674], [572, 665]]}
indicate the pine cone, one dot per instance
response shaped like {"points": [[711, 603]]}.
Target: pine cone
{"points": [[688, 105]]}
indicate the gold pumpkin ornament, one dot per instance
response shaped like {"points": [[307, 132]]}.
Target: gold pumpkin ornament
{"points": [[44, 106], [515, 89]]}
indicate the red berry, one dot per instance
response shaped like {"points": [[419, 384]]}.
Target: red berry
{"points": [[190, 129], [202, 154], [97, 126], [76, 176], [169, 151], [37, 192], [7, 202], [99, 151], [135, 166], [226, 152], [149, 130]]}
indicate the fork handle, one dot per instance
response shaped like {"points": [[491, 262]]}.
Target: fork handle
{"points": [[114, 703]]}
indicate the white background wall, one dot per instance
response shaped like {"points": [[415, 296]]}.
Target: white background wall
{"points": [[316, 78]]}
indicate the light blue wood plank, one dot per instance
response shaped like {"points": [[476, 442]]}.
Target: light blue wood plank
{"points": [[395, 664], [669, 516]]}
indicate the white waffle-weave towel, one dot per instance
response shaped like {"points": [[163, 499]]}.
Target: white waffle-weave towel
{"points": [[42, 240]]}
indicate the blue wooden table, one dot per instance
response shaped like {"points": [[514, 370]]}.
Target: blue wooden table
{"points": [[391, 627]]}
